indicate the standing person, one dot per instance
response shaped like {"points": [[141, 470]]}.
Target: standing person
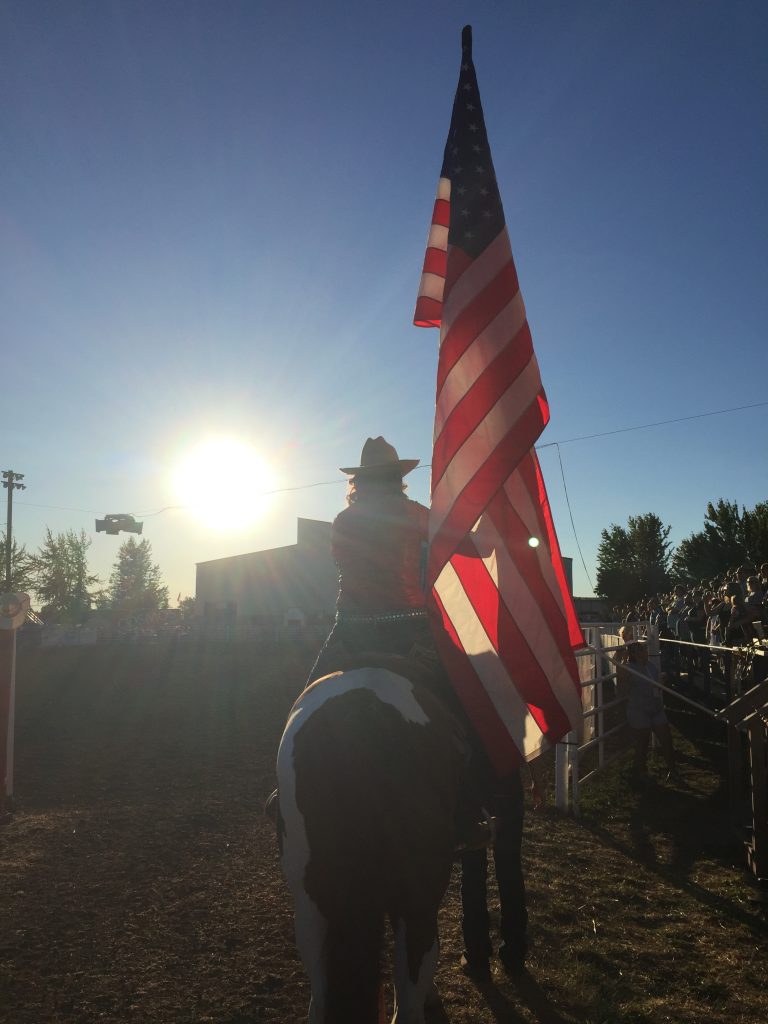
{"points": [[696, 622], [755, 598], [742, 575], [684, 653], [713, 630], [504, 800], [656, 615], [740, 629], [674, 611], [710, 637], [645, 711], [718, 626], [675, 608]]}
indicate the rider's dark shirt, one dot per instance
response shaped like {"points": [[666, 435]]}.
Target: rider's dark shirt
{"points": [[379, 546]]}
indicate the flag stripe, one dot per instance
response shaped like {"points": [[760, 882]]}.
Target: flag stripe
{"points": [[532, 683], [431, 286], [494, 687], [524, 588], [474, 318], [438, 238], [452, 517], [473, 363], [442, 212], [428, 312], [462, 406], [510, 420], [430, 297], [501, 540], [465, 280], [519, 490], [434, 265], [486, 684]]}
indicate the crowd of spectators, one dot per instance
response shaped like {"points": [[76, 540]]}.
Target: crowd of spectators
{"points": [[728, 611]]}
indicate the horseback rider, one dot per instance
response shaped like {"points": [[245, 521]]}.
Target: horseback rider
{"points": [[379, 543]]}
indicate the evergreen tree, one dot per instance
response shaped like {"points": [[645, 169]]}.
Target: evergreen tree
{"points": [[135, 585], [22, 566], [60, 577], [633, 562]]}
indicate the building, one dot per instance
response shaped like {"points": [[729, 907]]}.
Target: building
{"points": [[296, 584], [292, 585]]}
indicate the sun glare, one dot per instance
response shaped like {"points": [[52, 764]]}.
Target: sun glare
{"points": [[223, 483]]}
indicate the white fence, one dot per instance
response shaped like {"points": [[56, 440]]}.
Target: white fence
{"points": [[598, 688], [598, 681]]}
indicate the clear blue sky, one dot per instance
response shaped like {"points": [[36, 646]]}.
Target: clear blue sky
{"points": [[212, 222]]}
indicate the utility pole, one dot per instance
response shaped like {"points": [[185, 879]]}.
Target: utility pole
{"points": [[10, 483]]}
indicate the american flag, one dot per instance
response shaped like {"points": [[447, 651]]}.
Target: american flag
{"points": [[507, 627]]}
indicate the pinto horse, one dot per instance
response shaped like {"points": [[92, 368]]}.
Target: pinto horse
{"points": [[369, 770]]}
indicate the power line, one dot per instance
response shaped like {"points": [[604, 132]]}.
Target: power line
{"points": [[570, 513], [426, 465], [658, 423], [261, 494], [172, 508], [59, 508]]}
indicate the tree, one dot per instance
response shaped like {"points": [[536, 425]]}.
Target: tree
{"points": [[61, 579], [22, 566], [135, 585], [188, 608], [730, 537], [756, 533], [633, 562]]}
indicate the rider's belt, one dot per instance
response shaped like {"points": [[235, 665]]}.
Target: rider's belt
{"points": [[358, 618]]}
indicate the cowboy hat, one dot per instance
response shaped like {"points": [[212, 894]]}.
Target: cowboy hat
{"points": [[379, 454]]}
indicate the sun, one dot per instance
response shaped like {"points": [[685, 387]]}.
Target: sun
{"points": [[224, 483]]}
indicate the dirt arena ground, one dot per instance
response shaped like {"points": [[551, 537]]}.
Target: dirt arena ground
{"points": [[139, 881]]}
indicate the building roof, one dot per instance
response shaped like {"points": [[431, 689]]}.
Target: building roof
{"points": [[309, 532]]}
